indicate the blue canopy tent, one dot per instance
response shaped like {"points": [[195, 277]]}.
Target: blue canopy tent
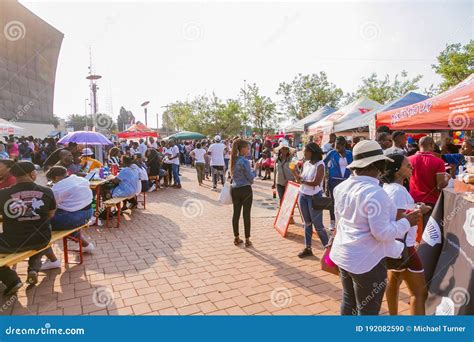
{"points": [[362, 121]]}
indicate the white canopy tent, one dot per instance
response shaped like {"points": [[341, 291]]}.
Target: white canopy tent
{"points": [[7, 128], [356, 108], [321, 113]]}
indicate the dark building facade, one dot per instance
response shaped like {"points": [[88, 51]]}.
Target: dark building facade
{"points": [[29, 51]]}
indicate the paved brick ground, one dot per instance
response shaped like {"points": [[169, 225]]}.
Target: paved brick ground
{"points": [[177, 258]]}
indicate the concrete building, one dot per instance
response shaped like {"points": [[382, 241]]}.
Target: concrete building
{"points": [[29, 51]]}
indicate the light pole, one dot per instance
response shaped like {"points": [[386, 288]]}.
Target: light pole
{"points": [[93, 85], [145, 105]]}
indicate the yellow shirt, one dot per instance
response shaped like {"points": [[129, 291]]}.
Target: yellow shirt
{"points": [[89, 164]]}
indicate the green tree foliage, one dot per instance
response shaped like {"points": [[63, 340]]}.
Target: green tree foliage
{"points": [[307, 93], [385, 89], [260, 110], [455, 64], [206, 115], [78, 122]]}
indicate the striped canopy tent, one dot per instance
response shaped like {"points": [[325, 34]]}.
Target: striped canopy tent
{"points": [[299, 126], [361, 122], [137, 130]]}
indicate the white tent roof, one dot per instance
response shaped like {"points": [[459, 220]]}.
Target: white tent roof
{"points": [[7, 128], [321, 113], [358, 107]]}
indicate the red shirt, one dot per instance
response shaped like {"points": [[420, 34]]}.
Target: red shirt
{"points": [[6, 183], [423, 186]]}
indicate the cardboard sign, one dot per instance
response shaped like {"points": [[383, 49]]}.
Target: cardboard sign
{"points": [[287, 206]]}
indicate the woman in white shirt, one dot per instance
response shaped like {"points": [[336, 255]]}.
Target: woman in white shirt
{"points": [[367, 230], [311, 179], [411, 271], [73, 198], [198, 154]]}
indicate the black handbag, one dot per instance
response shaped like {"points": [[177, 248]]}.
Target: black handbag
{"points": [[401, 262], [323, 203]]}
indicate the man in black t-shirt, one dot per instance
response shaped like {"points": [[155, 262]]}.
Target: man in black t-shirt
{"points": [[26, 209]]}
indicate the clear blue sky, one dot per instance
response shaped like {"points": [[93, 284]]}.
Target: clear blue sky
{"points": [[162, 51]]}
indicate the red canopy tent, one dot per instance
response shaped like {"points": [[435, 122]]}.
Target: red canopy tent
{"points": [[137, 130], [451, 110]]}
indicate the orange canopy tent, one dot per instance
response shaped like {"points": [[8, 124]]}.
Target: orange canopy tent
{"points": [[451, 110], [137, 130]]}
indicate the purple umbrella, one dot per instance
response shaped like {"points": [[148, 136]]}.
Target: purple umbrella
{"points": [[85, 137]]}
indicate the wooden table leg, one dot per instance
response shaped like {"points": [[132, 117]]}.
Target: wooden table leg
{"points": [[97, 204]]}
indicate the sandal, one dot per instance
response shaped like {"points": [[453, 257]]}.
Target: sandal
{"points": [[248, 243], [237, 241]]}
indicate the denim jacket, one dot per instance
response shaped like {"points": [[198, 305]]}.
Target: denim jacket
{"points": [[243, 174]]}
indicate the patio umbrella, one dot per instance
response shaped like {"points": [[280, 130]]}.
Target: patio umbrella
{"points": [[185, 135], [85, 137]]}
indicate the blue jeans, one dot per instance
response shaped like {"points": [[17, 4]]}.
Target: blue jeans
{"points": [[312, 218], [64, 220], [175, 169]]}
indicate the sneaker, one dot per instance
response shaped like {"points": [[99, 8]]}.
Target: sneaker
{"points": [[13, 289], [305, 253], [89, 248], [32, 278], [49, 265], [152, 188]]}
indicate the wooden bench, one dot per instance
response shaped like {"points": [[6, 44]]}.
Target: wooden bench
{"points": [[10, 259], [114, 202]]}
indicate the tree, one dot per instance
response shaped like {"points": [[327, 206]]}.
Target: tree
{"points": [[55, 121], [260, 110], [384, 90], [79, 122], [455, 64], [307, 93], [124, 119]]}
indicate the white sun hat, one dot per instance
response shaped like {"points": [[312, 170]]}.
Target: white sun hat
{"points": [[87, 152], [365, 153], [283, 144]]}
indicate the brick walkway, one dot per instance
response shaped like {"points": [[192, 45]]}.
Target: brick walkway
{"points": [[177, 258]]}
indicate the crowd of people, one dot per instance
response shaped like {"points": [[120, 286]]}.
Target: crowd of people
{"points": [[399, 176]]}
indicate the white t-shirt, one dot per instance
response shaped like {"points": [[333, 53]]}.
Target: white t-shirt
{"points": [[142, 148], [72, 193], [217, 154], [308, 174], [402, 199], [343, 165], [199, 154], [154, 145], [327, 147], [174, 152]]}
